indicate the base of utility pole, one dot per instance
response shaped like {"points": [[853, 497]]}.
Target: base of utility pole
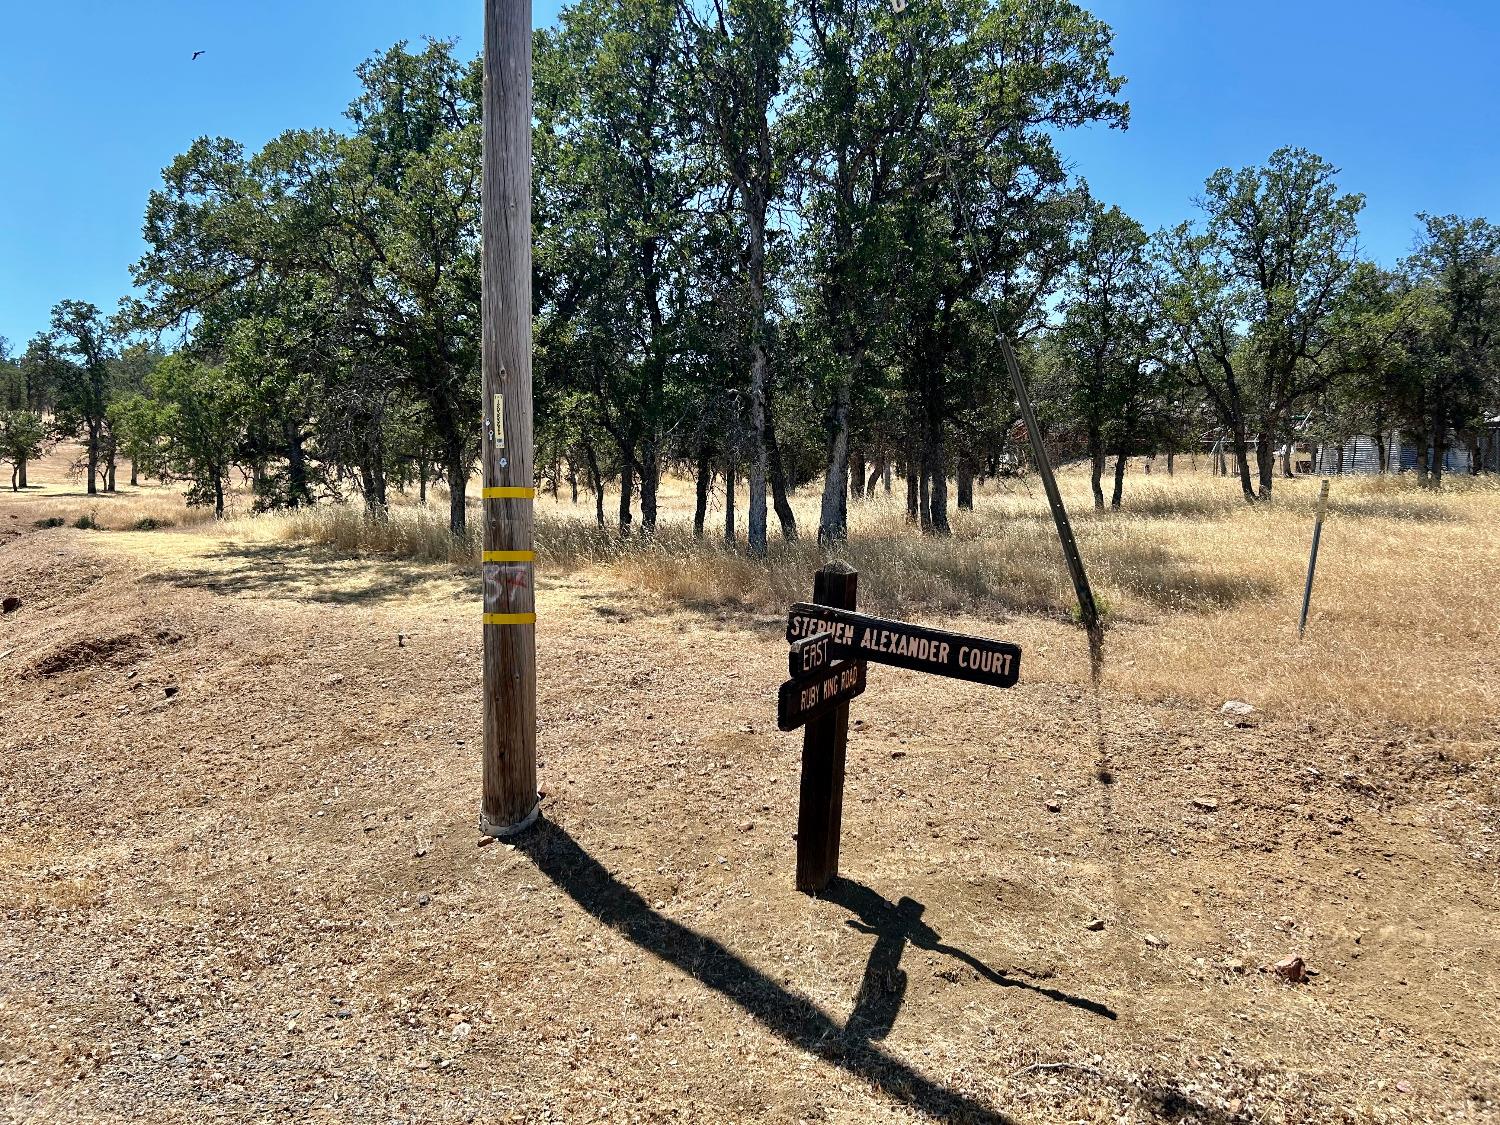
{"points": [[502, 831]]}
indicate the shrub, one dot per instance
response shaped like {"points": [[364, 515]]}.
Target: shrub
{"points": [[51, 521], [87, 522]]}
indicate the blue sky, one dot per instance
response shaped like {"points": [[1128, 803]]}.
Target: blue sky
{"points": [[96, 96]]}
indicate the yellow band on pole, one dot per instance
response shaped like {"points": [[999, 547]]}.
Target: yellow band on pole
{"points": [[508, 492], [510, 619], [510, 556]]}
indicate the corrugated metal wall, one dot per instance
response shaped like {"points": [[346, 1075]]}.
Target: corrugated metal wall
{"points": [[1362, 455], [1357, 455]]}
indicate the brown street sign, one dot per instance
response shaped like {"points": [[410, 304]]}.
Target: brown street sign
{"points": [[808, 655], [903, 645], [804, 699]]}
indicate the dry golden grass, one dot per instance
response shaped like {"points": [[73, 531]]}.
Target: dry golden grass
{"points": [[129, 509], [59, 492], [1403, 621], [410, 533], [1201, 590]]}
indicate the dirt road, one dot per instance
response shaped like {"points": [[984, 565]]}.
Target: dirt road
{"points": [[240, 878]]}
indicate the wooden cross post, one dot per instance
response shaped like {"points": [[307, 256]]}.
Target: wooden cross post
{"points": [[509, 800], [820, 807], [831, 645]]}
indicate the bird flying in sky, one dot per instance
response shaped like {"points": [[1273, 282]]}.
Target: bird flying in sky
{"points": [[195, 56]]}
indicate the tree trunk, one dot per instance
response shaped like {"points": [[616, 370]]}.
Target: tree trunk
{"points": [[573, 478], [372, 486], [1121, 459], [937, 483], [1265, 463], [1096, 466], [218, 496], [755, 198], [755, 530], [857, 476], [1170, 458], [23, 472], [596, 480], [93, 451], [627, 491], [650, 479], [729, 537], [833, 521], [109, 475], [296, 464], [876, 470], [1286, 461], [932, 354], [457, 471], [924, 495], [705, 478], [913, 491], [422, 485], [887, 478], [1242, 455], [1382, 453], [966, 483], [784, 512], [1439, 450], [135, 473]]}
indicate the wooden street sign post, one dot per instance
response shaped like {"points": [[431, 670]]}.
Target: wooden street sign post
{"points": [[830, 644], [820, 804]]}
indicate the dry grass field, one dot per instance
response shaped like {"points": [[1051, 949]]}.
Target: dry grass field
{"points": [[240, 879], [1202, 591]]}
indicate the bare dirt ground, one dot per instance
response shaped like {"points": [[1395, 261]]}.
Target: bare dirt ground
{"points": [[240, 878]]}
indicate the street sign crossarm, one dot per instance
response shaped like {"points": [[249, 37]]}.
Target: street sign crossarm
{"points": [[904, 645]]}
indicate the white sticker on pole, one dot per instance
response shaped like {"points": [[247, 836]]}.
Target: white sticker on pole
{"points": [[499, 422]]}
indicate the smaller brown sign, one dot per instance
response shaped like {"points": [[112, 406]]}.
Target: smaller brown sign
{"points": [[804, 699], [809, 655]]}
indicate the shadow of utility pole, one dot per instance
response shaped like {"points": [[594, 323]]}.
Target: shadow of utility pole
{"points": [[793, 1018]]}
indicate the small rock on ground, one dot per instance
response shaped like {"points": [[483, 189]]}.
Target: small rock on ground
{"points": [[1291, 969]]}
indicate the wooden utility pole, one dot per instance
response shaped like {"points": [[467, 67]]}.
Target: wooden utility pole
{"points": [[509, 802]]}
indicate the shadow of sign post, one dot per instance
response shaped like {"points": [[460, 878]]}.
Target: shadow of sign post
{"points": [[791, 1017]]}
